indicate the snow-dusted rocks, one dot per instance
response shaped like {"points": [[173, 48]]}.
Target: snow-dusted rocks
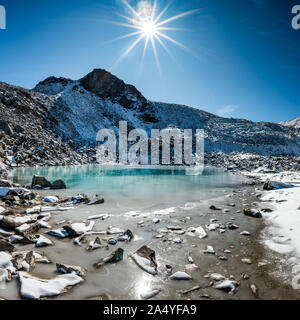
{"points": [[209, 250], [149, 294], [37, 288], [254, 213], [51, 199], [6, 261], [5, 190], [13, 222], [180, 275], [227, 285], [58, 233], [94, 244], [199, 231], [216, 277], [65, 268], [77, 229], [114, 230], [271, 185], [42, 241], [114, 257], [145, 259]]}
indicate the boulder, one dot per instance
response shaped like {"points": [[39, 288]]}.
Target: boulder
{"points": [[64, 268], [6, 246], [40, 181], [51, 199], [98, 201], [5, 183], [274, 185], [26, 229], [58, 185], [16, 221], [114, 257], [254, 213], [77, 229], [37, 288], [145, 259], [42, 241]]}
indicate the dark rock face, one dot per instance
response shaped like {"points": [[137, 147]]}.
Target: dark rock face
{"points": [[57, 185], [6, 246], [103, 83], [106, 85], [40, 181], [114, 257], [4, 126]]}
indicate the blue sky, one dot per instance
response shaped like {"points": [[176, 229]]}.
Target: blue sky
{"points": [[246, 65]]}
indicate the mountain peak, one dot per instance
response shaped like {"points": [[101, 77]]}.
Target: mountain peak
{"points": [[292, 123], [103, 83], [106, 85], [52, 85]]}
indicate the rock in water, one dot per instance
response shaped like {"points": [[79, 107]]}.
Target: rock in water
{"points": [[95, 244], [200, 232], [6, 246], [254, 213], [58, 185], [227, 285], [114, 257], [58, 233], [42, 241], [40, 181], [64, 268], [98, 201], [150, 294], [26, 230], [113, 230], [216, 277], [77, 229], [254, 290], [145, 259], [180, 276], [36, 288], [209, 249]]}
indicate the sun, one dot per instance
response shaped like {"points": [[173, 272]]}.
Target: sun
{"points": [[146, 21], [149, 29]]}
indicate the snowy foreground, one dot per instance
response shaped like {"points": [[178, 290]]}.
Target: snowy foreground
{"points": [[283, 223]]}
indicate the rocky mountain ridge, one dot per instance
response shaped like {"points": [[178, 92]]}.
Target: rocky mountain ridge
{"points": [[295, 123], [56, 123], [101, 100]]}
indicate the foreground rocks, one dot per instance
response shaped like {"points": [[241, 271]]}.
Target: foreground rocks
{"points": [[36, 288], [114, 257], [145, 259], [41, 182]]}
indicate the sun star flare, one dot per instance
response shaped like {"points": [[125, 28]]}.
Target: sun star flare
{"points": [[149, 26]]}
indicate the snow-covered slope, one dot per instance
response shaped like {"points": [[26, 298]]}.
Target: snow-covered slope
{"points": [[295, 123], [101, 100]]}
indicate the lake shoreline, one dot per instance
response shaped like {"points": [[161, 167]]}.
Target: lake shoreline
{"points": [[242, 247]]}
